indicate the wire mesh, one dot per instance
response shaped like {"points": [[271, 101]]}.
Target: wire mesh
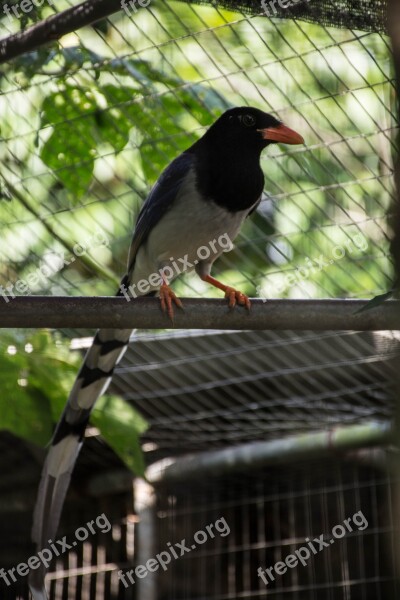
{"points": [[203, 391], [271, 515], [89, 132]]}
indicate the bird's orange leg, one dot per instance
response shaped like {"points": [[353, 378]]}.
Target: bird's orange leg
{"points": [[233, 296], [167, 297]]}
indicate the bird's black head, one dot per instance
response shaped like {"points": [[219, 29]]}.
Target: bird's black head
{"points": [[228, 156], [250, 129]]}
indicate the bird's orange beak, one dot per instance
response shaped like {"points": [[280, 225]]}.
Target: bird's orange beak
{"points": [[281, 134]]}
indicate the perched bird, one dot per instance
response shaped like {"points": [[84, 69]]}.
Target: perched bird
{"points": [[205, 193]]}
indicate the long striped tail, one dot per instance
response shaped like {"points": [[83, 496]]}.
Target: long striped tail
{"points": [[92, 381]]}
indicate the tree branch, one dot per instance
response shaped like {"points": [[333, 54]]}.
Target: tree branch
{"points": [[56, 26]]}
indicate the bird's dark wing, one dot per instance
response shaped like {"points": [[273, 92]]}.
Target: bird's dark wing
{"points": [[159, 201], [92, 380]]}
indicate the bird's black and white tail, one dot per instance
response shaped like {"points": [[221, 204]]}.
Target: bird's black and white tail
{"points": [[92, 381]]}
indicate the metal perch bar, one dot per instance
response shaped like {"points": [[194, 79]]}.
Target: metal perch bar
{"points": [[259, 454], [145, 313]]}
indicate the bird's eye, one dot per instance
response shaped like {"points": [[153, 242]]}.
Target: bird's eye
{"points": [[248, 120]]}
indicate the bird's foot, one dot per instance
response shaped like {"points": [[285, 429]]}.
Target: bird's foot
{"points": [[167, 297], [235, 297]]}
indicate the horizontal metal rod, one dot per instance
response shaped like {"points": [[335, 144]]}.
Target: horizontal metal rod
{"points": [[145, 313], [260, 454]]}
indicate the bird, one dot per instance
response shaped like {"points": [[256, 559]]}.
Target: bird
{"points": [[204, 193]]}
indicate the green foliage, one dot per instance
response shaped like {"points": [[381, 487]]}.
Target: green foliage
{"points": [[38, 371], [377, 301], [84, 126], [84, 117], [121, 425]]}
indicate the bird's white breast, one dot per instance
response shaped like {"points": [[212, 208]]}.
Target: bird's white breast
{"points": [[189, 227]]}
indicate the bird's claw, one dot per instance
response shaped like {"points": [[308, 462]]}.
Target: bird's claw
{"points": [[167, 297], [235, 297]]}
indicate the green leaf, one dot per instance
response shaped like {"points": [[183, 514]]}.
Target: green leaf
{"points": [[77, 56], [26, 416], [71, 148], [115, 124], [376, 301], [121, 426], [81, 122], [25, 402]]}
